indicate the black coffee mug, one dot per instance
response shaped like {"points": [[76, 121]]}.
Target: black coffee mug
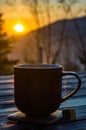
{"points": [[38, 88]]}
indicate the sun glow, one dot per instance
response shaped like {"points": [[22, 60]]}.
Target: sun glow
{"points": [[19, 28]]}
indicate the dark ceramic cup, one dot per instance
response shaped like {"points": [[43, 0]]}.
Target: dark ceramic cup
{"points": [[38, 88]]}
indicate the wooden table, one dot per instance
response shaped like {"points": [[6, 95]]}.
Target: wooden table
{"points": [[77, 102]]}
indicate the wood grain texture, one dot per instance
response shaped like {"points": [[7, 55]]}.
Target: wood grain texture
{"points": [[78, 102]]}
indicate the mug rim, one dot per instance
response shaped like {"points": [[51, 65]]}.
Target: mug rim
{"points": [[38, 66]]}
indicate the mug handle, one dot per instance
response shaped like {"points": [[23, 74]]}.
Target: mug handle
{"points": [[76, 89]]}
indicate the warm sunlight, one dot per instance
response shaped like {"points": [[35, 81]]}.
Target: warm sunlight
{"points": [[19, 28]]}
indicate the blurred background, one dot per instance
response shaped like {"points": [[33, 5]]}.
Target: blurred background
{"points": [[42, 31]]}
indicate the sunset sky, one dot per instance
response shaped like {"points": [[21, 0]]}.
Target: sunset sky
{"points": [[21, 14]]}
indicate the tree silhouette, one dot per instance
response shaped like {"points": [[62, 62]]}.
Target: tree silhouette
{"points": [[6, 65]]}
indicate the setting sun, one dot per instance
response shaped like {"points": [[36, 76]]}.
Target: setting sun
{"points": [[19, 28]]}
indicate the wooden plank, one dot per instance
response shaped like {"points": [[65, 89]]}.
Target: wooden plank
{"points": [[6, 86], [7, 103], [81, 92], [74, 125], [78, 102], [6, 111], [6, 99], [80, 125]]}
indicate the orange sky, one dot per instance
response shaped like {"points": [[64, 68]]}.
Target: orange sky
{"points": [[12, 16], [21, 14]]}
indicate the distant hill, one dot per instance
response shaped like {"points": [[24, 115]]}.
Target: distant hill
{"points": [[63, 38]]}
